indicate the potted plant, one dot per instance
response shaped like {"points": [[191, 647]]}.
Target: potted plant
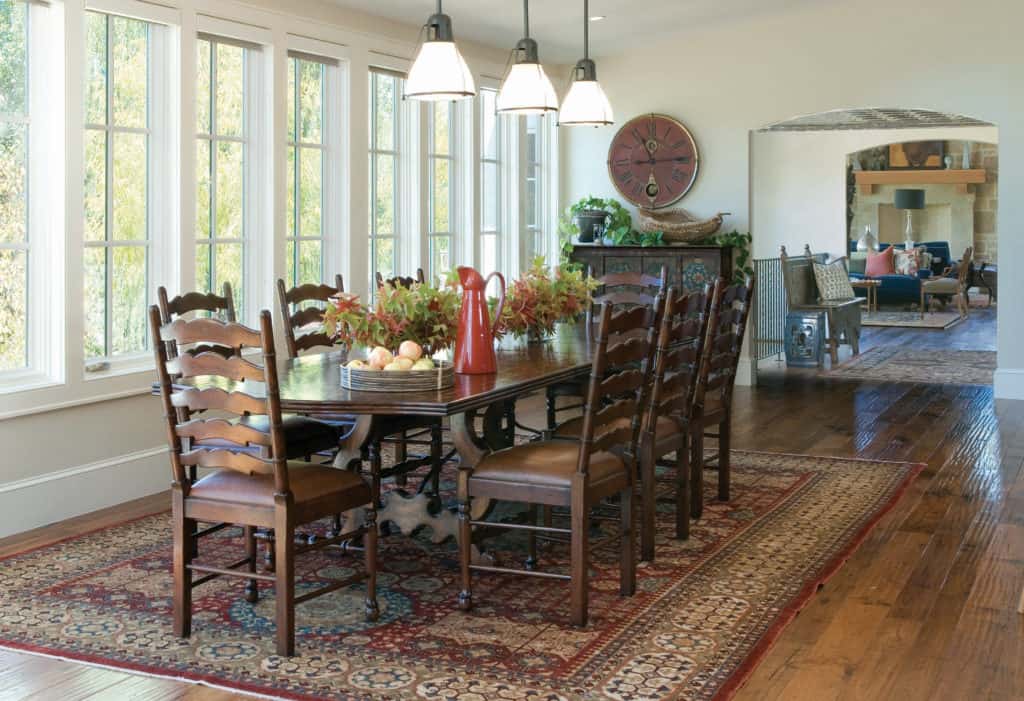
{"points": [[540, 299], [617, 225]]}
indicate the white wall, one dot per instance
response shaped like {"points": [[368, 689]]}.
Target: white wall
{"points": [[798, 182], [727, 80]]}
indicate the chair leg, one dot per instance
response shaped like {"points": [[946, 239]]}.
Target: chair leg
{"points": [[436, 448], [284, 583], [649, 503], [551, 406], [370, 553], [627, 561], [683, 488], [724, 464], [184, 548], [252, 592], [465, 544], [579, 553], [922, 301], [401, 454], [531, 539], [697, 471]]}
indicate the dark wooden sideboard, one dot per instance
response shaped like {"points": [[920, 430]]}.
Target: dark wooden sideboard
{"points": [[689, 267]]}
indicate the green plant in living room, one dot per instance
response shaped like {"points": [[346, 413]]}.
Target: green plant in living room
{"points": [[618, 226], [742, 260]]}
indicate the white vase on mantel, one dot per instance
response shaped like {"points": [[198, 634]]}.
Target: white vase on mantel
{"points": [[967, 156]]}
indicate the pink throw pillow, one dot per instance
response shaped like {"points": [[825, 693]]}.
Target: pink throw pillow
{"points": [[880, 263]]}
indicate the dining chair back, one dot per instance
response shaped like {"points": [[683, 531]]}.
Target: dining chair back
{"points": [[258, 489], [208, 304], [302, 322], [404, 281]]}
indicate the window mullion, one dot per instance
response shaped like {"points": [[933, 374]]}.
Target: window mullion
{"points": [[108, 316]]}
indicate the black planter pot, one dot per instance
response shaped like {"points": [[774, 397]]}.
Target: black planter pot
{"points": [[587, 221]]}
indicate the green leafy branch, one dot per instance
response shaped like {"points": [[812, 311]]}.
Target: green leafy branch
{"points": [[742, 258]]}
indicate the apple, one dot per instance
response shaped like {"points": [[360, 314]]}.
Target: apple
{"points": [[405, 363], [411, 350], [380, 356], [357, 364], [395, 366], [423, 364]]}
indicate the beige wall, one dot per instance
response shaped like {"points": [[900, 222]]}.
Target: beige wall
{"points": [[727, 80]]}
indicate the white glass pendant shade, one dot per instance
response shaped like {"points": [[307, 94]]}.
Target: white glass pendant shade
{"points": [[585, 105], [527, 90], [439, 73]]}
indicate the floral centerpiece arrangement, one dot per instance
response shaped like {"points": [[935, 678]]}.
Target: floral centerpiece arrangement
{"points": [[539, 299], [417, 315]]}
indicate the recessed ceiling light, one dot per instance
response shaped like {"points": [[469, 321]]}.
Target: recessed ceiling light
{"points": [[597, 18]]}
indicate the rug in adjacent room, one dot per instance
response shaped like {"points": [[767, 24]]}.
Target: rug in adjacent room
{"points": [[910, 320], [704, 613], [897, 364]]}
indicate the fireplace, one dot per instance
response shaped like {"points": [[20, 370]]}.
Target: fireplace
{"points": [[948, 216]]}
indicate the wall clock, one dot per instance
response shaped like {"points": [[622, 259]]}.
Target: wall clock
{"points": [[653, 160]]}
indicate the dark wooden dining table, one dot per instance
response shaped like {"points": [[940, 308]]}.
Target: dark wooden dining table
{"points": [[311, 385]]}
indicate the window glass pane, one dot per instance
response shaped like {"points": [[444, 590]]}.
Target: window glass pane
{"points": [[13, 184], [204, 279], [384, 250], [310, 191], [489, 191], [13, 57], [384, 97], [440, 195], [489, 256], [203, 188], [128, 283], [95, 68], [13, 309], [441, 128], [489, 126], [95, 301], [531, 196], [310, 262], [95, 192], [440, 255], [229, 176], [533, 138], [290, 263], [290, 213], [385, 204], [129, 52], [129, 183], [311, 85], [228, 268], [293, 65], [203, 49], [230, 87]]}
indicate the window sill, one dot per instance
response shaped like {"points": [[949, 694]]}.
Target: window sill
{"points": [[123, 382], [25, 381], [126, 365]]}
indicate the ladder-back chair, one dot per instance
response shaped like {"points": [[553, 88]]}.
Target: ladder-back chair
{"points": [[303, 324], [257, 490]]}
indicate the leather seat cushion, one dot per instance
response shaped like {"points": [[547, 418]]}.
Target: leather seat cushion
{"points": [[573, 428], [306, 481], [545, 463], [942, 285], [302, 435]]}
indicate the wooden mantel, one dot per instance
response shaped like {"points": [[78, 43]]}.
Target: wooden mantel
{"points": [[963, 179]]}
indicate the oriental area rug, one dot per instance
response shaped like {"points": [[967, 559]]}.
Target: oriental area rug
{"points": [[705, 612], [897, 364], [910, 320]]}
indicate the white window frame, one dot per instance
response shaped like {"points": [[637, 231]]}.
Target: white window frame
{"points": [[456, 201], [406, 254], [506, 217], [162, 212], [44, 244], [257, 177], [545, 233]]}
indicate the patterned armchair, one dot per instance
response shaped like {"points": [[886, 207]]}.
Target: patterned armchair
{"points": [[843, 316]]}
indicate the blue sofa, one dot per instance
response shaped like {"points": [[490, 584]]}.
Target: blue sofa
{"points": [[905, 289]]}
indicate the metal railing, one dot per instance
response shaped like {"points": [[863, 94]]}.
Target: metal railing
{"points": [[769, 310]]}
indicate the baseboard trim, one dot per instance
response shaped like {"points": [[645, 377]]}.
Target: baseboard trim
{"points": [[43, 499], [1009, 383]]}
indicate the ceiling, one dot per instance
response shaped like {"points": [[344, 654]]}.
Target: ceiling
{"points": [[557, 24], [875, 118]]}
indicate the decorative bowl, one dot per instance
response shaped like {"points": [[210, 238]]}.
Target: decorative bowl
{"points": [[441, 377]]}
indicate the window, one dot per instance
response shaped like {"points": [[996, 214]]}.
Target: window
{"points": [[490, 183], [15, 241], [222, 166], [117, 213], [441, 170], [533, 191], [307, 82], [386, 116]]}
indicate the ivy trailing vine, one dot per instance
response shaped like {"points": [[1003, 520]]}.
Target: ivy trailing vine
{"points": [[742, 260], [618, 226]]}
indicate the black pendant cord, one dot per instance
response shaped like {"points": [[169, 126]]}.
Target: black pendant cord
{"points": [[526, 19], [586, 29]]}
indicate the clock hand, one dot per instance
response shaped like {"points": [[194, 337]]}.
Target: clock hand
{"points": [[678, 159]]}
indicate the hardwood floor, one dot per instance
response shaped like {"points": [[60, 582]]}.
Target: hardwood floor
{"points": [[925, 609]]}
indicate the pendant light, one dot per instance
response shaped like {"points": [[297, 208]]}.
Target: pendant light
{"points": [[585, 104], [439, 71], [526, 88]]}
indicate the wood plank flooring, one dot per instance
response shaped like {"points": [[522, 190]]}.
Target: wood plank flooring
{"points": [[925, 609]]}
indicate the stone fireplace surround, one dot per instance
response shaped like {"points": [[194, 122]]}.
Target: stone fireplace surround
{"points": [[948, 216]]}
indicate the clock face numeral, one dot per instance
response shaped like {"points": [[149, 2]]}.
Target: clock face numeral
{"points": [[636, 135], [637, 189], [625, 178], [680, 144], [678, 175], [622, 162]]}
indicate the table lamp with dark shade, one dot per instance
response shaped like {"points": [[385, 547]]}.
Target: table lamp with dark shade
{"points": [[909, 200]]}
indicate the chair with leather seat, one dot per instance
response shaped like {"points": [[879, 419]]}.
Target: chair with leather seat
{"points": [[713, 400], [666, 423], [626, 289], [259, 489], [576, 475], [953, 286]]}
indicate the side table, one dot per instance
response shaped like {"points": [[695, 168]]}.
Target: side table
{"points": [[870, 287]]}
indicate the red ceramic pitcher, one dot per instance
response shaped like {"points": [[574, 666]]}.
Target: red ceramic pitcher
{"points": [[474, 341]]}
